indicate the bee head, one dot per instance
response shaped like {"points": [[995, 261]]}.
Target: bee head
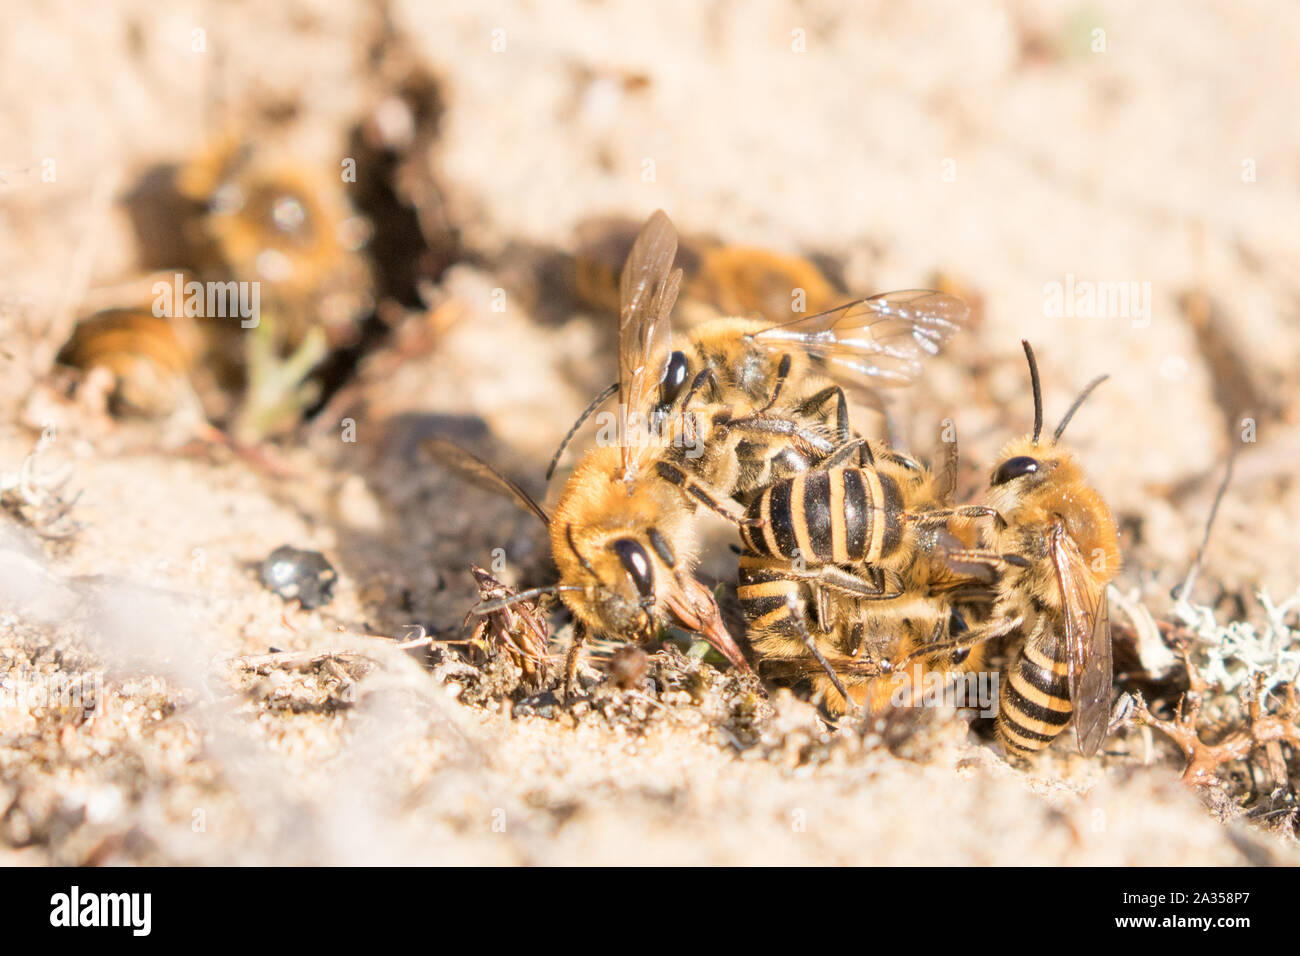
{"points": [[1024, 464], [635, 559], [1028, 467], [622, 548], [289, 213]]}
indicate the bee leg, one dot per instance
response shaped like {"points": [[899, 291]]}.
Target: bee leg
{"points": [[990, 631], [856, 448], [782, 426], [836, 578], [694, 488], [707, 377], [825, 610], [986, 558], [1120, 714], [967, 511], [571, 662], [782, 373], [797, 618], [839, 420]]}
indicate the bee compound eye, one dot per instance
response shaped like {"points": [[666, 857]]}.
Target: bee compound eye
{"points": [[662, 547], [637, 564], [1014, 468], [674, 377], [911, 464]]}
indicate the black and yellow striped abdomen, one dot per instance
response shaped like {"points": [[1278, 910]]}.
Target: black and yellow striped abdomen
{"points": [[770, 599], [835, 516], [1034, 704]]}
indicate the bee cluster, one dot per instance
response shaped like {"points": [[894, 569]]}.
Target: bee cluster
{"points": [[259, 277], [858, 573]]}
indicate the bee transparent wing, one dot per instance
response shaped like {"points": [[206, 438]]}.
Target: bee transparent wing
{"points": [[647, 290], [945, 487], [480, 473], [1088, 643], [603, 246], [881, 341]]}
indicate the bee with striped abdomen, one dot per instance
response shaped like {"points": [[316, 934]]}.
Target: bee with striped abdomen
{"points": [[149, 357], [847, 568], [719, 279], [1051, 601], [760, 402], [622, 533], [623, 537]]}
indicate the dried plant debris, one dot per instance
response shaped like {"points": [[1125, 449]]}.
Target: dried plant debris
{"points": [[505, 656], [675, 687], [1232, 654], [1238, 724], [511, 628], [303, 681], [629, 690]]}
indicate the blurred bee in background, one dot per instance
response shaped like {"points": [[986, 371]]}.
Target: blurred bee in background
{"points": [[719, 279], [279, 221], [268, 232], [770, 403], [149, 358], [1050, 602]]}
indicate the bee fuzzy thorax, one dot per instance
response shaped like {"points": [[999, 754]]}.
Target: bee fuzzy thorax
{"points": [[1056, 490], [1052, 599], [720, 344], [738, 406]]}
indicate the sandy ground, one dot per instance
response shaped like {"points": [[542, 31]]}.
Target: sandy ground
{"points": [[1008, 146]]}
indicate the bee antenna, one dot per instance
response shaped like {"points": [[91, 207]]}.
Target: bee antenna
{"points": [[1087, 390], [482, 609], [586, 413], [1038, 389], [573, 546]]}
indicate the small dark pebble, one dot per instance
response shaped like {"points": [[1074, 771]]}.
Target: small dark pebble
{"points": [[304, 575]]}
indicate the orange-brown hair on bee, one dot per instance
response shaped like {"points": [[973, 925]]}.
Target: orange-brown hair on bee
{"points": [[149, 357], [848, 581], [1051, 600], [741, 403]]}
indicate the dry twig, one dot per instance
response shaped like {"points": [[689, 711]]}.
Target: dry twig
{"points": [[1263, 731]]}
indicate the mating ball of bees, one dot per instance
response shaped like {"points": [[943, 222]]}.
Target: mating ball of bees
{"points": [[304, 575]]}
